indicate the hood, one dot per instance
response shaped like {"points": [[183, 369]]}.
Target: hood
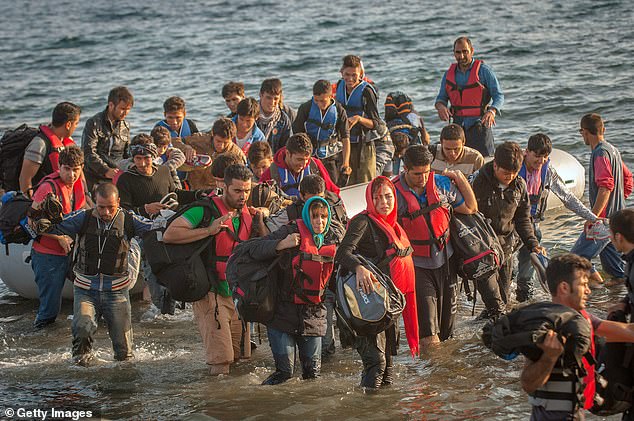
{"points": [[279, 158]]}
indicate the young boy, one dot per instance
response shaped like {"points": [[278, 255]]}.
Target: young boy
{"points": [[167, 155], [218, 141], [274, 122], [247, 131], [326, 123], [233, 93], [175, 121], [260, 158], [359, 99]]}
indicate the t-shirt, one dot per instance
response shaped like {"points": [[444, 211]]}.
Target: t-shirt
{"points": [[36, 150]]}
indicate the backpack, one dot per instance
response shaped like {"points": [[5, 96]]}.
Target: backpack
{"points": [[614, 364], [12, 146], [182, 268], [254, 284], [476, 245], [14, 227], [16, 210], [367, 314], [519, 332], [398, 106]]}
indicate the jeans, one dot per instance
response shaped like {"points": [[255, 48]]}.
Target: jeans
{"points": [[480, 138], [328, 341], [610, 257], [50, 274], [526, 272], [283, 347], [114, 306], [161, 296]]}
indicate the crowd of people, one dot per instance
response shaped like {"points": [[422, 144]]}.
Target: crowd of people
{"points": [[274, 175]]}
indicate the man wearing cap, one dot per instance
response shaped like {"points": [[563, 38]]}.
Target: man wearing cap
{"points": [[141, 189]]}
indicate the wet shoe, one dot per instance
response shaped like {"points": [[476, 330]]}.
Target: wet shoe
{"points": [[254, 346], [277, 377], [492, 315], [41, 324], [83, 360]]}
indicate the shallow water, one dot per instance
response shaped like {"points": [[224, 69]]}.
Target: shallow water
{"points": [[461, 379], [556, 61]]}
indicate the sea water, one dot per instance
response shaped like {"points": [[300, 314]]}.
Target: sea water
{"points": [[555, 60]]}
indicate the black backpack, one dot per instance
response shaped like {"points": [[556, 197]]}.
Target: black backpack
{"points": [[397, 107], [12, 147], [254, 284], [519, 332], [14, 227], [476, 245], [614, 363], [14, 214], [182, 268], [367, 314]]}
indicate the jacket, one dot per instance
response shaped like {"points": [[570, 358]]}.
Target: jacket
{"points": [[508, 209], [280, 165], [295, 319], [104, 145]]}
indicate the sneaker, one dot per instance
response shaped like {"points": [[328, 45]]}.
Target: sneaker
{"points": [[276, 377], [41, 324]]}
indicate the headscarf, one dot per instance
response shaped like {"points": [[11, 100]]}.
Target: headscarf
{"points": [[148, 149], [401, 268], [317, 238]]}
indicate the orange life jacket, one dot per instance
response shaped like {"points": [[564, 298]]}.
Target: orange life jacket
{"points": [[589, 380], [312, 268], [424, 226], [57, 146], [78, 201], [227, 238], [471, 99]]}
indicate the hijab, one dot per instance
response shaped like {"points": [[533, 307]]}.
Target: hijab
{"points": [[317, 238]]}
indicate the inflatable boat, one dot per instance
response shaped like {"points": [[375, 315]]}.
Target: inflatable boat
{"points": [[16, 273], [569, 169]]}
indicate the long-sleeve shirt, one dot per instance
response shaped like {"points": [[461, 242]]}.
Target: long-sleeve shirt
{"points": [[570, 201], [604, 172], [72, 224], [487, 78]]}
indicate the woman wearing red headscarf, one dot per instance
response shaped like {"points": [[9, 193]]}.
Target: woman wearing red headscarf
{"points": [[377, 224]]}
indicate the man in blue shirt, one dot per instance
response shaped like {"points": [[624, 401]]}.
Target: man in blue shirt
{"points": [[475, 95], [424, 200]]}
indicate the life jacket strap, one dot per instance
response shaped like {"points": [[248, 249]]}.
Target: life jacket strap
{"points": [[422, 211]]}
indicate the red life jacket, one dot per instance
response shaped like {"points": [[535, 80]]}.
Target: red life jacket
{"points": [[470, 100], [227, 238], [79, 200], [417, 221], [57, 146], [312, 268], [589, 380]]}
